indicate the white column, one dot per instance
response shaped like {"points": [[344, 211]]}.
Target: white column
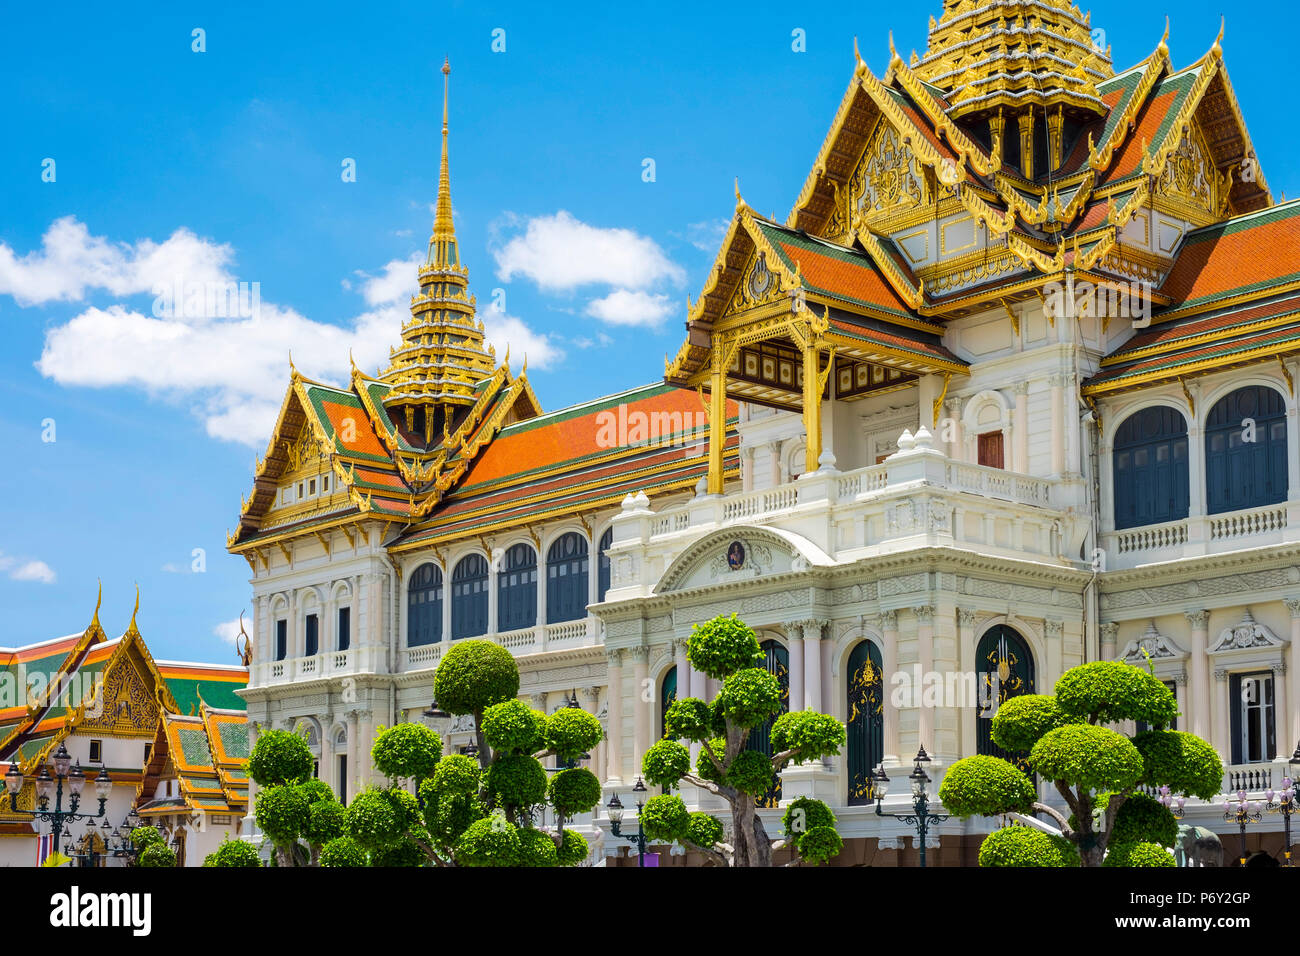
{"points": [[1281, 714], [1058, 426], [889, 664], [774, 463], [492, 619], [812, 665], [1199, 675], [614, 732], [1219, 710], [640, 706], [683, 669], [1293, 677], [1109, 633], [746, 470], [354, 767], [828, 690], [1022, 428], [590, 701], [794, 645], [925, 655], [966, 655]]}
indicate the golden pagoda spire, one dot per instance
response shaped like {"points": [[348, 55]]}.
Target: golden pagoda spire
{"points": [[442, 244]]}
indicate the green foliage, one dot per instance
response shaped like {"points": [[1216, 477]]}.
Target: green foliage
{"points": [[722, 646], [407, 750], [751, 772], [1144, 819], [665, 819], [448, 815], [398, 853], [142, 837], [1111, 691], [537, 848], [282, 813], [1181, 761], [492, 841], [574, 791], [456, 774], [327, 820], [704, 830], [512, 727], [315, 790], [1138, 854], [688, 718], [705, 769], [473, 675], [985, 786], [1086, 756], [749, 696], [156, 855], [1022, 721], [811, 735], [1026, 846], [819, 845], [343, 851], [233, 853], [378, 817], [517, 780], [805, 814], [572, 732], [573, 848], [279, 757], [665, 763]]}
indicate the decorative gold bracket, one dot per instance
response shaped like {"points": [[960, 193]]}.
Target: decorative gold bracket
{"points": [[1191, 402], [1286, 374], [938, 402]]}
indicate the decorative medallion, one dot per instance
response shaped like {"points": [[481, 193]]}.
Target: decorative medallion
{"points": [[736, 556]]}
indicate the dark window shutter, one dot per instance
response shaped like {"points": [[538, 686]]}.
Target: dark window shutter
{"points": [[1235, 706]]}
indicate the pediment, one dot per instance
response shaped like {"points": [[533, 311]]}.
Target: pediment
{"points": [[736, 556], [1153, 644], [1249, 635]]}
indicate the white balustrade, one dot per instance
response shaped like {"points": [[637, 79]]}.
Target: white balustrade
{"points": [[1242, 524]]}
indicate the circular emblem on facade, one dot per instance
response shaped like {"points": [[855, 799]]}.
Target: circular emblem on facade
{"points": [[760, 279], [736, 556]]}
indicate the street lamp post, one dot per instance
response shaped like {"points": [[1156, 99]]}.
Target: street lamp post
{"points": [[1241, 812], [615, 809], [921, 818], [1286, 803], [1171, 803], [47, 786]]}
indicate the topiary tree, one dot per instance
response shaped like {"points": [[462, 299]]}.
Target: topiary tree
{"points": [[156, 855], [295, 811], [486, 812], [233, 853], [727, 649], [1095, 769]]}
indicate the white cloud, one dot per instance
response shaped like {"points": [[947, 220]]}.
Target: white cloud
{"points": [[502, 331], [627, 307], [228, 631], [707, 236], [561, 253], [26, 569], [396, 283]]}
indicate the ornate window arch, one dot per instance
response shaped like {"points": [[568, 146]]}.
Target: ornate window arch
{"points": [[517, 588], [566, 578], [1150, 467], [424, 606], [1245, 450], [865, 690], [1004, 668], [667, 695], [469, 597]]}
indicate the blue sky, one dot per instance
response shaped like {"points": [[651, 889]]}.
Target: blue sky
{"points": [[227, 164]]}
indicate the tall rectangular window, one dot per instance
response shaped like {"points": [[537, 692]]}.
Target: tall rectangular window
{"points": [[342, 789], [345, 628], [313, 635], [281, 640], [1254, 717]]}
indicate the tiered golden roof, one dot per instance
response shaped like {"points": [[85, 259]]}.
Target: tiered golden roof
{"points": [[442, 357]]}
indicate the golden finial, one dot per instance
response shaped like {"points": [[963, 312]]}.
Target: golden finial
{"points": [[1218, 41], [135, 609], [525, 368], [507, 359], [857, 57], [293, 369], [1164, 40], [442, 245], [94, 618], [739, 201]]}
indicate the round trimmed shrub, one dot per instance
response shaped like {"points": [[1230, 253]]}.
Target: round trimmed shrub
{"points": [[985, 786], [1182, 761], [233, 853], [326, 820], [1021, 721], [574, 791], [704, 767], [1084, 755], [688, 719], [572, 732], [156, 855], [573, 848], [749, 696], [407, 750], [1138, 854], [751, 772], [811, 735], [398, 853], [474, 675], [456, 774], [665, 763], [1026, 846], [1111, 691], [512, 727], [537, 848], [722, 646], [315, 790], [375, 818], [805, 814], [819, 845], [492, 841], [142, 837], [1144, 819], [282, 813], [704, 830], [279, 757], [665, 819], [343, 851], [517, 780]]}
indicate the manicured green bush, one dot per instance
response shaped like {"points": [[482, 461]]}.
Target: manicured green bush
{"points": [[1181, 761], [573, 848], [572, 732], [1138, 854], [665, 763], [512, 727], [343, 851], [985, 786], [749, 696], [492, 841], [722, 646], [809, 734], [156, 855], [233, 853], [473, 675], [1088, 757], [665, 819], [406, 751], [574, 791], [517, 780], [280, 757], [1022, 721], [1021, 846], [1111, 691]]}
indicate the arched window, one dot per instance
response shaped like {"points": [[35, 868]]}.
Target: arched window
{"points": [[667, 694], [469, 597], [517, 589], [1004, 668], [777, 661], [602, 566], [866, 725], [566, 579], [424, 606], [1150, 457], [1245, 450]]}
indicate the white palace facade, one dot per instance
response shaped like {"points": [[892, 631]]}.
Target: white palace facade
{"points": [[1011, 389]]}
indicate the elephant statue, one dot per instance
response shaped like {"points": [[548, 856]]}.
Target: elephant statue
{"points": [[1198, 846]]}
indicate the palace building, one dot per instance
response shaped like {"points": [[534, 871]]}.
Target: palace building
{"points": [[1010, 389]]}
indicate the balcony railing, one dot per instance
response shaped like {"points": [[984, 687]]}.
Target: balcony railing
{"points": [[1200, 534], [325, 664]]}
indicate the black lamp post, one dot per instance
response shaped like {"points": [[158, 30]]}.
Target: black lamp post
{"points": [[47, 786], [922, 818], [1241, 812], [1286, 803], [615, 809]]}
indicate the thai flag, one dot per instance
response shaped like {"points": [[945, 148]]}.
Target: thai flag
{"points": [[44, 847]]}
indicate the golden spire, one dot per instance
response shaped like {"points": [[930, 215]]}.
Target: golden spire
{"points": [[442, 244]]}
